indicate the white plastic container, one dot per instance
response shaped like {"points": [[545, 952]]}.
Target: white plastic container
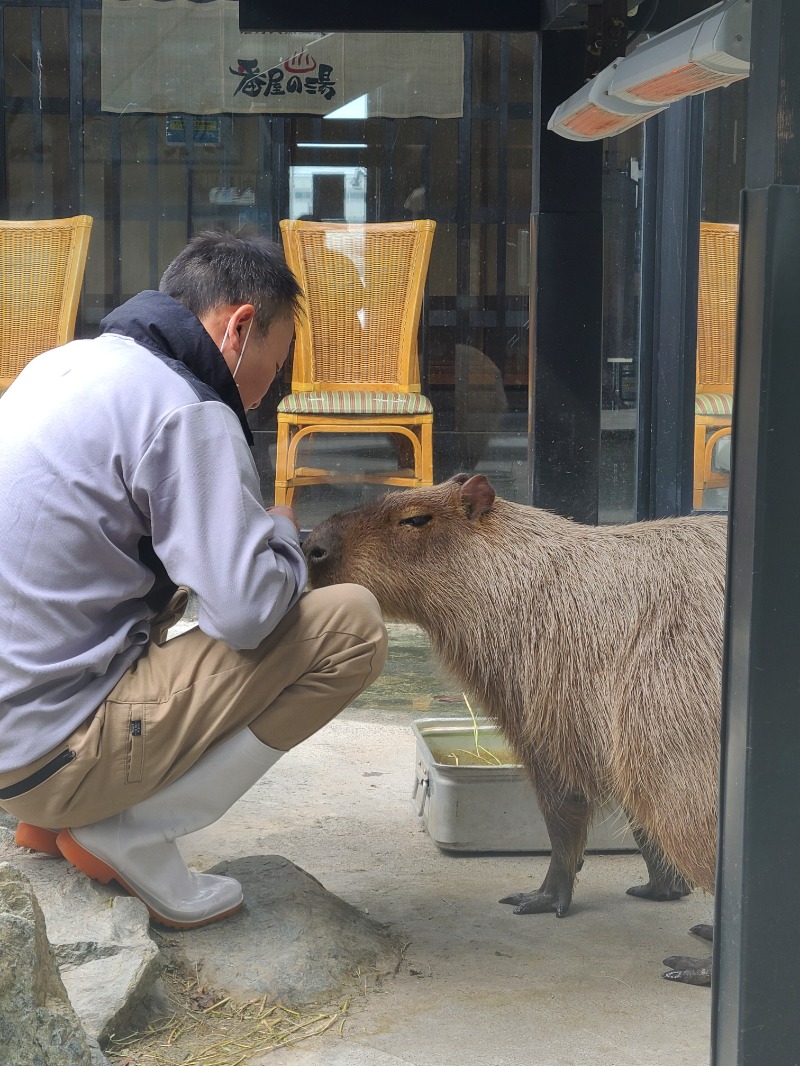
{"points": [[488, 807]]}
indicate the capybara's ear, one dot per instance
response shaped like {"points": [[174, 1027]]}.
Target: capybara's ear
{"points": [[477, 495], [461, 479]]}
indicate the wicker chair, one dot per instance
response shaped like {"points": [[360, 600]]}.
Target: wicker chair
{"points": [[716, 343], [356, 368], [42, 266]]}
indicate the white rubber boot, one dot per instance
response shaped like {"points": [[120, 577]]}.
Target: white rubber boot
{"points": [[137, 847]]}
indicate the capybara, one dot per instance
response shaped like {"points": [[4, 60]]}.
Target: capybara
{"points": [[597, 650]]}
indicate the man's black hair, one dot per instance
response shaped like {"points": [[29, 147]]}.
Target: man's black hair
{"points": [[221, 268]]}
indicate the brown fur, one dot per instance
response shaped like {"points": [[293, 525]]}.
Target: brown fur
{"points": [[596, 649]]}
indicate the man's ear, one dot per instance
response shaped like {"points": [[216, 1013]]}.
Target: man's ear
{"points": [[477, 496], [243, 316]]}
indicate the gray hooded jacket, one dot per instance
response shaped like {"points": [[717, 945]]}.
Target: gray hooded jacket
{"points": [[125, 469]]}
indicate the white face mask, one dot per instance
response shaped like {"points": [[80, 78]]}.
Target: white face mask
{"points": [[244, 345]]}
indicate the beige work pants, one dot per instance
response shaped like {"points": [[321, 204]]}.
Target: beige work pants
{"points": [[187, 694]]}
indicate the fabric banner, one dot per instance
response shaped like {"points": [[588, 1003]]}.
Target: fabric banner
{"points": [[169, 56]]}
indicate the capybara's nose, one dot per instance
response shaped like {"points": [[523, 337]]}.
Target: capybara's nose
{"points": [[317, 546], [322, 550]]}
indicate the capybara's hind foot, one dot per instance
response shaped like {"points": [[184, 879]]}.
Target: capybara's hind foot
{"points": [[660, 892], [537, 903], [688, 971], [704, 931], [664, 882]]}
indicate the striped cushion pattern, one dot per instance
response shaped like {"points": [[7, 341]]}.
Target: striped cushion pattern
{"points": [[355, 403], [713, 403]]}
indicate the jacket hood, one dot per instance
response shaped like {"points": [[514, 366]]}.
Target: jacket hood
{"points": [[173, 333]]}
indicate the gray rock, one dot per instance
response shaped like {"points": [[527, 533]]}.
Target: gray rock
{"points": [[108, 976], [38, 1026], [108, 958], [293, 940], [98, 1058]]}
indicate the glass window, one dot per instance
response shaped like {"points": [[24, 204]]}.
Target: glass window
{"points": [[725, 113], [622, 176], [150, 179]]}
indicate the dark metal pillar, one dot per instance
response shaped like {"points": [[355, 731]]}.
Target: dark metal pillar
{"points": [[670, 252], [755, 1016], [565, 296]]}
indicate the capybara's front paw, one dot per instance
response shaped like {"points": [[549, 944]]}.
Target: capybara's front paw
{"points": [[537, 903], [688, 971]]}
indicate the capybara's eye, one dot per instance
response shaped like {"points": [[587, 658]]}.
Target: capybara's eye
{"points": [[416, 520]]}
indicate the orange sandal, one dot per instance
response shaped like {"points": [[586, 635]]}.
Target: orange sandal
{"points": [[37, 839]]}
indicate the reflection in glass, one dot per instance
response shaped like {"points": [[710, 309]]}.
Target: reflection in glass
{"points": [[150, 180], [328, 194], [725, 121], [622, 177]]}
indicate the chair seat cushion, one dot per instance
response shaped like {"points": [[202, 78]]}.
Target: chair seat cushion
{"points": [[718, 404], [355, 403]]}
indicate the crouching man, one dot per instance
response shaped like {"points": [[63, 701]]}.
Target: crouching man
{"points": [[126, 478]]}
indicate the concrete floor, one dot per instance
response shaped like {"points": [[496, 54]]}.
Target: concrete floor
{"points": [[478, 985]]}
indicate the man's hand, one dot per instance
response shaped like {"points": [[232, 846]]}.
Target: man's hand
{"points": [[285, 512]]}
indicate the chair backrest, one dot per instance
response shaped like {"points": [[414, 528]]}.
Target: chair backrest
{"points": [[42, 265], [716, 306], [362, 286]]}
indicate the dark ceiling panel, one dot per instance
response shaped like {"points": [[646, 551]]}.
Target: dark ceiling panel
{"points": [[670, 12], [562, 14], [365, 15]]}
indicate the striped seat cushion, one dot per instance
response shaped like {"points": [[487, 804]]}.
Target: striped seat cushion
{"points": [[355, 403], [713, 403]]}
